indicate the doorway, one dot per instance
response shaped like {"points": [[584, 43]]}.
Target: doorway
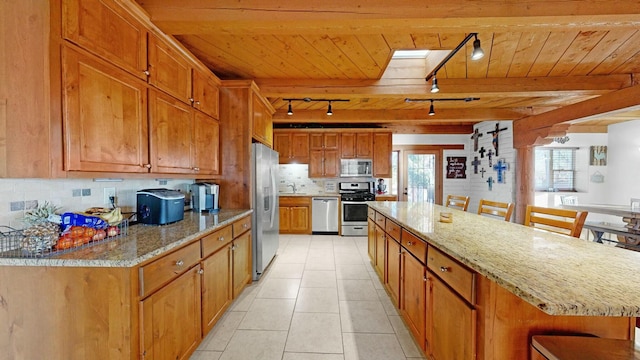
{"points": [[421, 176]]}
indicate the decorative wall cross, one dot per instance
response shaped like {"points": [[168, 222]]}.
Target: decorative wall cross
{"points": [[482, 172], [490, 182], [501, 166], [475, 164], [475, 137], [490, 156], [495, 134], [482, 151]]}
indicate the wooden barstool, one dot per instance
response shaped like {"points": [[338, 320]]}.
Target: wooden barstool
{"points": [[457, 202], [495, 209], [562, 221], [556, 347]]}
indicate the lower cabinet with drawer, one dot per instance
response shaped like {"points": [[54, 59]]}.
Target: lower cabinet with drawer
{"points": [[216, 276]]}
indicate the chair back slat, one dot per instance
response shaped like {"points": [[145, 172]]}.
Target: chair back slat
{"points": [[496, 209], [563, 221], [457, 202]]}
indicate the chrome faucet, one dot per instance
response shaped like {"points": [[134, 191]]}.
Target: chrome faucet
{"points": [[293, 187]]}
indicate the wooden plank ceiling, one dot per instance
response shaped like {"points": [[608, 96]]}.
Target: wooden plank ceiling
{"points": [[540, 55]]}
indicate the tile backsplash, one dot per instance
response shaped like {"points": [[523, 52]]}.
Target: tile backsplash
{"points": [[18, 196], [298, 174]]}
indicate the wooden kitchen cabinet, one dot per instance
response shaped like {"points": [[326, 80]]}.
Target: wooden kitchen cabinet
{"points": [[206, 145], [356, 145], [380, 252], [262, 127], [217, 292], [393, 269], [371, 239], [170, 128], [413, 297], [107, 30], [169, 70], [324, 160], [242, 262], [105, 116], [449, 314], [382, 149], [205, 93], [171, 327], [295, 215], [293, 147]]}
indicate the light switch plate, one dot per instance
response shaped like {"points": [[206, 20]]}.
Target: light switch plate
{"points": [[108, 193]]}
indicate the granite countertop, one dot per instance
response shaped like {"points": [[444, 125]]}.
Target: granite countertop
{"points": [[558, 274], [142, 242]]}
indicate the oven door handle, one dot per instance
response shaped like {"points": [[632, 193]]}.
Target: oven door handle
{"points": [[354, 202]]}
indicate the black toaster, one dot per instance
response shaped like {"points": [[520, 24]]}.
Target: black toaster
{"points": [[159, 206]]}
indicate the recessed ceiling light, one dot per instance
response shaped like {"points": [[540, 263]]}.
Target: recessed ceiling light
{"points": [[410, 54]]}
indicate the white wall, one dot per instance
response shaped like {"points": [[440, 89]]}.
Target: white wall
{"points": [[623, 163]]}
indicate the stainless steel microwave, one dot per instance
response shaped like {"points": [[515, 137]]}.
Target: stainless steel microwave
{"points": [[356, 167]]}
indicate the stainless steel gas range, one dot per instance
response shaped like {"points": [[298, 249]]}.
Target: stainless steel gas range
{"points": [[353, 196]]}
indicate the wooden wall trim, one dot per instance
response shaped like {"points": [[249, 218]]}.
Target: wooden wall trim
{"points": [[428, 147]]}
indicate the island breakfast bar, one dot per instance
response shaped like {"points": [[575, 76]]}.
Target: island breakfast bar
{"points": [[479, 288]]}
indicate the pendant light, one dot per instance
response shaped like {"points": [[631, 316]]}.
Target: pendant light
{"points": [[290, 110], [477, 53], [434, 84], [329, 112], [431, 110]]}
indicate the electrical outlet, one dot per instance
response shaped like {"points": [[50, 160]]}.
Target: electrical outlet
{"points": [[108, 193]]}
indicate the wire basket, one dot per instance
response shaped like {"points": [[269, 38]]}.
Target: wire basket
{"points": [[16, 244]]}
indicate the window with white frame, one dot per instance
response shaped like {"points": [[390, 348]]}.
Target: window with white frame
{"points": [[555, 169]]}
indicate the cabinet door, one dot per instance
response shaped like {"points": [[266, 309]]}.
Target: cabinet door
{"points": [[169, 70], [316, 141], [282, 144], [300, 219], [170, 122], [316, 163], [107, 30], [371, 240], [364, 145], [413, 297], [206, 144], [331, 141], [216, 287], [393, 269], [105, 117], [348, 145], [171, 319], [452, 323], [331, 163], [241, 262], [262, 123], [300, 148], [380, 247], [382, 149], [205, 94], [285, 219]]}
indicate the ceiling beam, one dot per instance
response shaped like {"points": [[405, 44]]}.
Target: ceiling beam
{"points": [[530, 130], [523, 87], [395, 116], [377, 16]]}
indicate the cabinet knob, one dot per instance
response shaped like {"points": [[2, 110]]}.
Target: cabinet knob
{"points": [[146, 72], [245, 225], [409, 243], [148, 166], [197, 102], [444, 268], [201, 271], [234, 247], [196, 169], [192, 99], [221, 238], [179, 263]]}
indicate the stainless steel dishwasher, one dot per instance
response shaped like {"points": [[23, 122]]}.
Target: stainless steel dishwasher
{"points": [[324, 215]]}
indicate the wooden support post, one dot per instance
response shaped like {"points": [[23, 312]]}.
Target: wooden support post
{"points": [[525, 173]]}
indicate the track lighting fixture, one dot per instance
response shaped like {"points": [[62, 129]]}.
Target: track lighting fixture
{"points": [[431, 107], [329, 108], [434, 84], [477, 53], [290, 110]]}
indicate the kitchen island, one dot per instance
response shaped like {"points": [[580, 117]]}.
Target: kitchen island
{"points": [[491, 285], [151, 294]]}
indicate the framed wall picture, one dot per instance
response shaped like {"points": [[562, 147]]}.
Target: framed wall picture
{"points": [[456, 167], [598, 155]]}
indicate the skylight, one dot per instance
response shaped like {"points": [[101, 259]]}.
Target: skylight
{"points": [[410, 54]]}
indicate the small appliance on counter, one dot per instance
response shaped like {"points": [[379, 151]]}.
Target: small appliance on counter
{"points": [[205, 197], [159, 206]]}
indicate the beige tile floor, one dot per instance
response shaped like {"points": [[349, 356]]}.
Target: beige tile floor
{"points": [[319, 300]]}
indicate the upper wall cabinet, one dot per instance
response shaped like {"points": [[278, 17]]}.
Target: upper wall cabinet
{"points": [[382, 148], [262, 120], [293, 147], [356, 145], [206, 93], [169, 70], [107, 30], [105, 116]]}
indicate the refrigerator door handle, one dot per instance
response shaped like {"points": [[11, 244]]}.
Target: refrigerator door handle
{"points": [[273, 195]]}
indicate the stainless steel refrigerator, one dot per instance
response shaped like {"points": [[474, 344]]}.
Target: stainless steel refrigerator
{"points": [[266, 221]]}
